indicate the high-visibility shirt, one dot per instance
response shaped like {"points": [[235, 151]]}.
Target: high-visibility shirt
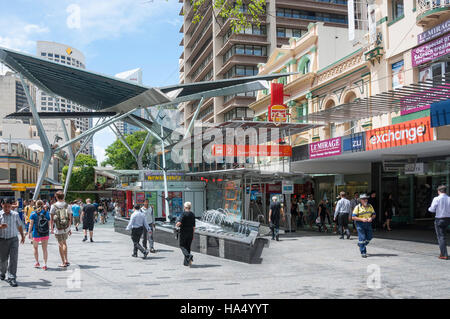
{"points": [[363, 212]]}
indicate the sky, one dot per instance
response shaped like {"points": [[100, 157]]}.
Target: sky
{"points": [[114, 36]]}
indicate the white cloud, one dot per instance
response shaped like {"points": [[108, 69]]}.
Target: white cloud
{"points": [[106, 19], [20, 35]]}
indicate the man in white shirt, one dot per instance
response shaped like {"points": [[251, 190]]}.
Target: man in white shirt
{"points": [[138, 224], [441, 207], [148, 211], [342, 214]]}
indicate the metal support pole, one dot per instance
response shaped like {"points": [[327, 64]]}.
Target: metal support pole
{"points": [[141, 155], [73, 159], [166, 192], [191, 124], [123, 140], [48, 152], [93, 130]]}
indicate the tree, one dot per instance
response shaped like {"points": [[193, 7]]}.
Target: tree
{"points": [[118, 156], [241, 14], [83, 176]]}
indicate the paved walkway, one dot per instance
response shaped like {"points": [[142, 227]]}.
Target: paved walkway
{"points": [[304, 265]]}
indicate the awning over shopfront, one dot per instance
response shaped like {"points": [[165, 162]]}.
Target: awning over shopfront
{"points": [[410, 97]]}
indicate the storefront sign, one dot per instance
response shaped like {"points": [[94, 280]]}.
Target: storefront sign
{"points": [[433, 33], [415, 168], [398, 79], [431, 50], [273, 188], [159, 176], [355, 143], [251, 150], [278, 112], [287, 187], [411, 132], [325, 148]]}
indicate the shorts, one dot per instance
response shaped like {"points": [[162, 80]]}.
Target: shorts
{"points": [[39, 239], [62, 237], [88, 226], [76, 219]]}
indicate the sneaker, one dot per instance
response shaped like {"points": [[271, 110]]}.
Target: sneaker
{"points": [[92, 240], [76, 228], [191, 259], [85, 238], [44, 268], [152, 250], [278, 238], [342, 237], [145, 254], [37, 265], [364, 255], [12, 282], [134, 255], [443, 257], [2, 277]]}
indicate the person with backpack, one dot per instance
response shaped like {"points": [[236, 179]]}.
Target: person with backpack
{"points": [[39, 232], [61, 219]]}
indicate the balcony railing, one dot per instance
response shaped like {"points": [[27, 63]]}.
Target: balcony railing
{"points": [[424, 6]]}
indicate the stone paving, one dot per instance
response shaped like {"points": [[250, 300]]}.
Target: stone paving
{"points": [[302, 265]]}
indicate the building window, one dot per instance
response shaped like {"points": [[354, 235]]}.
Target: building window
{"points": [[281, 32], [50, 55], [13, 175], [43, 54], [397, 9]]}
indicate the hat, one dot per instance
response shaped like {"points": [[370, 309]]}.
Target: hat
{"points": [[363, 196]]}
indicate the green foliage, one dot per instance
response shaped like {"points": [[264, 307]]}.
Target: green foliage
{"points": [[84, 160], [83, 174], [118, 156], [241, 14]]}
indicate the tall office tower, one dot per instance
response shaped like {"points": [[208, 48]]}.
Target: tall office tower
{"points": [[66, 55], [134, 75], [213, 52]]}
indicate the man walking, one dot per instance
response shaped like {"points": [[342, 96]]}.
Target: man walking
{"points": [[354, 202], [363, 215], [342, 215], [61, 217], [138, 224], [10, 226], [88, 217], [186, 224], [275, 212], [76, 214], [441, 207], [312, 209], [148, 212]]}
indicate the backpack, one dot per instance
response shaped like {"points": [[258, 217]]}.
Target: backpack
{"points": [[61, 218], [42, 226]]}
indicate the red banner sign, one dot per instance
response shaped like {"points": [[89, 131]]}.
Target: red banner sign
{"points": [[278, 112], [251, 150]]}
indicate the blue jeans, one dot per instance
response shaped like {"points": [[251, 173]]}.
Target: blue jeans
{"points": [[441, 225], [364, 235]]}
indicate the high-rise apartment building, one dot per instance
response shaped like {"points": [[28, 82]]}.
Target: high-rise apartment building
{"points": [[63, 54], [213, 52]]}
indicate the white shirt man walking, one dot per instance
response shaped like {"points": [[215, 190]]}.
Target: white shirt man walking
{"points": [[342, 215], [441, 207], [148, 236]]}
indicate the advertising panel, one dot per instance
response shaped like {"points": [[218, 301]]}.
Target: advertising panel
{"points": [[431, 50], [355, 143], [406, 133], [325, 148], [433, 33], [398, 79]]}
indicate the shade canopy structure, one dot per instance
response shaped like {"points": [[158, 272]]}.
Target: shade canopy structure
{"points": [[100, 92], [408, 96]]}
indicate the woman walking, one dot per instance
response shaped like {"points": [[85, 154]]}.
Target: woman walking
{"points": [[40, 230], [390, 207]]}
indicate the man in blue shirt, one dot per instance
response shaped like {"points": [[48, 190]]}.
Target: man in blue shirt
{"points": [[441, 207], [76, 208]]}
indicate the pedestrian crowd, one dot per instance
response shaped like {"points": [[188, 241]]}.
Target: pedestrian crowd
{"points": [[38, 221]]}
